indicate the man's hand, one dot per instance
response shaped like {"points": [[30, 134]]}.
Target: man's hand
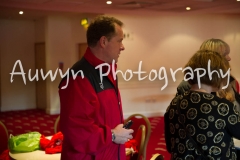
{"points": [[122, 135]]}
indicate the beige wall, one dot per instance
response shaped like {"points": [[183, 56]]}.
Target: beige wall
{"points": [[168, 41], [16, 43], [158, 41]]}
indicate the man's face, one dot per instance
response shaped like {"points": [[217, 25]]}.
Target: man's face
{"points": [[114, 46]]}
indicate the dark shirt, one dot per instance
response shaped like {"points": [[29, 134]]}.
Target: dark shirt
{"points": [[211, 121]]}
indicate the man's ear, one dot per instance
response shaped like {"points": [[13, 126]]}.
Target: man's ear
{"points": [[103, 41]]}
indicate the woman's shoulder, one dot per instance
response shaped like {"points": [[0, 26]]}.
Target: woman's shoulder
{"points": [[208, 97], [223, 100]]}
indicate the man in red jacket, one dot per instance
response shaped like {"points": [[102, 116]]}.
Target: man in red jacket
{"points": [[91, 117]]}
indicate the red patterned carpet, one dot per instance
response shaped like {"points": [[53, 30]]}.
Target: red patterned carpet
{"points": [[18, 122], [156, 142]]}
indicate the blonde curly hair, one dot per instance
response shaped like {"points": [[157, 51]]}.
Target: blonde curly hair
{"points": [[221, 47]]}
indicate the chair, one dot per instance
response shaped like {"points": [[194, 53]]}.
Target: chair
{"points": [[140, 138], [3, 137], [138, 120], [157, 156], [137, 143], [56, 125]]}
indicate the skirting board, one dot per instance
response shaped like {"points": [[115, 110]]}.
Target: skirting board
{"points": [[147, 114], [53, 111]]}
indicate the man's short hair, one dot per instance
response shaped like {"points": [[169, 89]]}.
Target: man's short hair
{"points": [[101, 26]]}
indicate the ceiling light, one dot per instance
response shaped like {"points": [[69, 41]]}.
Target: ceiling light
{"points": [[20, 12], [238, 0], [109, 2], [188, 8]]}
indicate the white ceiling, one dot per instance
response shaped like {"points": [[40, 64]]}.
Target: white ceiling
{"points": [[34, 9]]}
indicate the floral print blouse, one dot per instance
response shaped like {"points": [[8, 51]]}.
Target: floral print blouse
{"points": [[212, 122]]}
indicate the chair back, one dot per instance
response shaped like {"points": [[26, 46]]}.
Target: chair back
{"points": [[3, 138], [138, 120], [157, 156], [140, 139], [56, 125]]}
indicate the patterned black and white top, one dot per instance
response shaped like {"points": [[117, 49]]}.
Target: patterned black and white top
{"points": [[211, 121]]}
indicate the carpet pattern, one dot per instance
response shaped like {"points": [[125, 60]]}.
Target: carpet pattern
{"points": [[156, 142], [19, 122]]}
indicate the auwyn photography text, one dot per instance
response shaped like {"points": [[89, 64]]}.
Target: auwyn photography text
{"points": [[161, 74]]}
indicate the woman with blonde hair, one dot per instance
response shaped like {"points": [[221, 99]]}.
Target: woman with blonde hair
{"points": [[199, 124], [231, 93]]}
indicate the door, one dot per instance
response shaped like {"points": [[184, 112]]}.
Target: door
{"points": [[41, 85], [81, 49], [0, 83]]}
